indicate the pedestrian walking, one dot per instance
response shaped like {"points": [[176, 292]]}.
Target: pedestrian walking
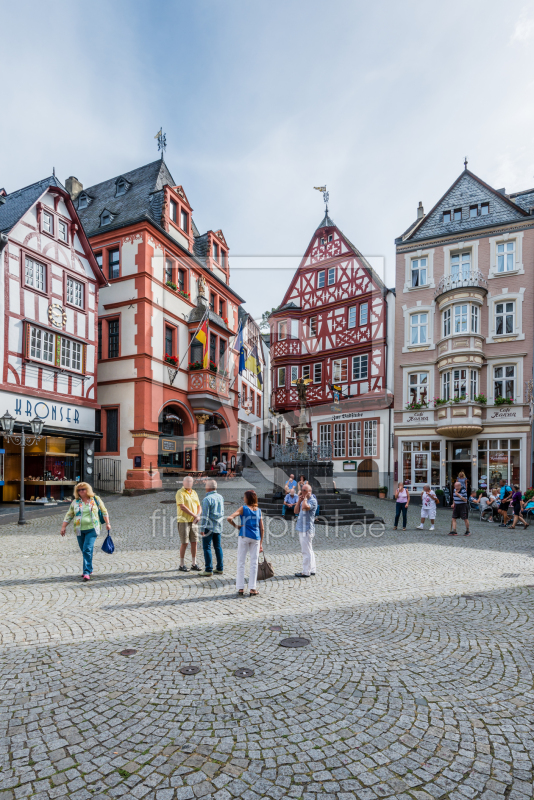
{"points": [[459, 509], [249, 542], [402, 501], [187, 517], [306, 509], [517, 502], [211, 524], [290, 502], [428, 506], [505, 494], [84, 511]]}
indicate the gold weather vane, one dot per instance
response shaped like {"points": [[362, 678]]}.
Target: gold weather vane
{"points": [[162, 141], [326, 195]]}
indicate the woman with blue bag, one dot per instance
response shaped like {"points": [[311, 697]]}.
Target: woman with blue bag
{"points": [[87, 511], [249, 542]]}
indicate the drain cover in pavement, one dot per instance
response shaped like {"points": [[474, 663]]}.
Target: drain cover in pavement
{"points": [[244, 673], [510, 575], [275, 628], [294, 641], [189, 670], [128, 652]]}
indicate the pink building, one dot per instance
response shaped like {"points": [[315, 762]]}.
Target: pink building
{"points": [[464, 339]]}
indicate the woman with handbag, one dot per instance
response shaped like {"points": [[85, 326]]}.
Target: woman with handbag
{"points": [[88, 512], [250, 541]]}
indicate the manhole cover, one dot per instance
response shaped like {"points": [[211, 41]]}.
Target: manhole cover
{"points": [[275, 628], [244, 673], [294, 641], [510, 575], [189, 670], [128, 652]]}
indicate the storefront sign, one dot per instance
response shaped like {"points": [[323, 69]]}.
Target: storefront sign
{"points": [[496, 457], [353, 415], [169, 445], [419, 417], [56, 415], [350, 465], [506, 413]]}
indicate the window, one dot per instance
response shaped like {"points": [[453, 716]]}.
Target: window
{"points": [[504, 382], [41, 345], [474, 384], [363, 313], [98, 258], [184, 221], [339, 440], [359, 367], [221, 307], [320, 279], [460, 266], [282, 331], [222, 353], [223, 259], [213, 347], [63, 230], [419, 329], [317, 373], [499, 459], [447, 322], [281, 377], [352, 317], [215, 251], [173, 211], [258, 438], [35, 274], [98, 427], [506, 256], [419, 267], [258, 406], [313, 326], [113, 338], [74, 292], [457, 214], [418, 387], [326, 239], [71, 355], [354, 434], [324, 435], [459, 383], [168, 341], [446, 384], [168, 270], [212, 301], [48, 223], [121, 187], [112, 430], [446, 216], [339, 371], [474, 319], [113, 263], [460, 319], [484, 209], [105, 218], [370, 428], [306, 372], [82, 201], [331, 276], [294, 374], [504, 318], [181, 280], [99, 352], [473, 211], [421, 464]]}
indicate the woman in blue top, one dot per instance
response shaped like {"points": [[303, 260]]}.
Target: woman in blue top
{"points": [[250, 540]]}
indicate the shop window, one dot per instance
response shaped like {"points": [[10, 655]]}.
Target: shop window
{"points": [[339, 440], [114, 263], [339, 370], [113, 338], [370, 437], [419, 272], [504, 381], [499, 459], [354, 439], [421, 464], [112, 430]]}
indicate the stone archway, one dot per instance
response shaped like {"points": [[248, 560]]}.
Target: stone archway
{"points": [[368, 477], [171, 438]]}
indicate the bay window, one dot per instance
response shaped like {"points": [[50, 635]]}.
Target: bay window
{"points": [[447, 322], [53, 349], [419, 329], [474, 319], [504, 381], [473, 389], [282, 331], [459, 384], [460, 318], [446, 386], [418, 387], [281, 377], [504, 318], [294, 374], [419, 271]]}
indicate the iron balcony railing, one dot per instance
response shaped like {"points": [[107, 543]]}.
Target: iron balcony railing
{"points": [[287, 453], [461, 280]]}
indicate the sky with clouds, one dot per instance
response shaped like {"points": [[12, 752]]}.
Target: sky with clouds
{"points": [[263, 101]]}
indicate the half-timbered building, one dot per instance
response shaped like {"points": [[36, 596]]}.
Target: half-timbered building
{"points": [[332, 329]]}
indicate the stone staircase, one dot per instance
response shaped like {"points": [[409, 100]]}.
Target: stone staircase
{"points": [[332, 508]]}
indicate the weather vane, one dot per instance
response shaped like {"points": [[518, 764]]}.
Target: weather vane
{"points": [[162, 141], [465, 162], [326, 195]]}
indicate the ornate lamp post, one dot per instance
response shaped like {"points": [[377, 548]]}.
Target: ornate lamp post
{"points": [[8, 424]]}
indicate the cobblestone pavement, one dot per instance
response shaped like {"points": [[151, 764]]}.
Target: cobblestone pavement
{"points": [[417, 682]]}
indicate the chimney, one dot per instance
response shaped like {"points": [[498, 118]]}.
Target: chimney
{"points": [[73, 186], [420, 211]]}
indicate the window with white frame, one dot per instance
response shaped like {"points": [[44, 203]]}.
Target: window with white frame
{"points": [[364, 313], [506, 256], [352, 317], [320, 279], [71, 354], [459, 383], [474, 319], [418, 387], [473, 389], [294, 374], [447, 322], [339, 370], [48, 223], [35, 274], [504, 381], [461, 265], [63, 230], [446, 386], [313, 326], [370, 432], [461, 318], [419, 271], [331, 276], [52, 348], [74, 292], [168, 271], [359, 367], [339, 440], [504, 318], [317, 372], [282, 330], [419, 328], [281, 377], [354, 440], [306, 372], [42, 345], [324, 435]]}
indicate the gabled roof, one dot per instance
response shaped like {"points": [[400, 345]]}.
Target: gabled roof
{"points": [[19, 202], [326, 222], [468, 189]]}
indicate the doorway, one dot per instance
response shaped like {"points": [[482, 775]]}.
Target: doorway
{"points": [[459, 460]]}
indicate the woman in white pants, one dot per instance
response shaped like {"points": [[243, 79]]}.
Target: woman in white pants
{"points": [[250, 540]]}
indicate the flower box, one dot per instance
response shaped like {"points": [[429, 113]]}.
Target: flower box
{"points": [[171, 285], [183, 293], [172, 360], [504, 401], [195, 365]]}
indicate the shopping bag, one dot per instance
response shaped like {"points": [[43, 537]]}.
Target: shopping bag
{"points": [[108, 546], [265, 570]]}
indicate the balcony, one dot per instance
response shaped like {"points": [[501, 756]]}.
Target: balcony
{"points": [[459, 420], [207, 381], [463, 280]]}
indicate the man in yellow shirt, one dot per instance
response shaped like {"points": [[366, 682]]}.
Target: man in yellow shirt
{"points": [[187, 516]]}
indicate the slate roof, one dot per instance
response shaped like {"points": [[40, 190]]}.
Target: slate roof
{"points": [[198, 312], [17, 203]]}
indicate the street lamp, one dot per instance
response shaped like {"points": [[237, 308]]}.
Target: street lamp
{"points": [[8, 424]]}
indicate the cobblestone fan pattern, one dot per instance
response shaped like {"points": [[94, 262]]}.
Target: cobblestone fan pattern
{"points": [[417, 682]]}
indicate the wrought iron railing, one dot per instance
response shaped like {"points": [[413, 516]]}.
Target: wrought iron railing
{"points": [[107, 475], [460, 281], [287, 453]]}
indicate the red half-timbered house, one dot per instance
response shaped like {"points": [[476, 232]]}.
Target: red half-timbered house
{"points": [[332, 328]]}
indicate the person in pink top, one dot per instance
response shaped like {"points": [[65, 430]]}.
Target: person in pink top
{"points": [[402, 498]]}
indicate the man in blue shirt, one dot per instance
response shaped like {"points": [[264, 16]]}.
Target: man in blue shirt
{"points": [[306, 508], [505, 494], [290, 501], [291, 484], [211, 524]]}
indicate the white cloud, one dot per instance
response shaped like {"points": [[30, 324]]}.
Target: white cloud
{"points": [[524, 28]]}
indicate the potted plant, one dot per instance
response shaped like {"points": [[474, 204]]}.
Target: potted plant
{"points": [[481, 398], [504, 401], [439, 401], [529, 494], [382, 492], [459, 399], [194, 365], [184, 293], [440, 494], [212, 366], [171, 360], [171, 285], [415, 405]]}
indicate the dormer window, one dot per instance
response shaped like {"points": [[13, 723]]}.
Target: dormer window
{"points": [[83, 200], [173, 210], [215, 251], [121, 187], [184, 217], [105, 218], [484, 209], [446, 216], [457, 214]]}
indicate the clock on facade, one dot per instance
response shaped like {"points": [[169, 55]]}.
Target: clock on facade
{"points": [[57, 315]]}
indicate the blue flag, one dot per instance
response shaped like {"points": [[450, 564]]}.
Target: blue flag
{"points": [[241, 348]]}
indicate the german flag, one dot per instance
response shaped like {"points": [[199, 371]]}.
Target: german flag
{"points": [[202, 336]]}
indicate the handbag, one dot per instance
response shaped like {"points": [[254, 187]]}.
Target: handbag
{"points": [[265, 570], [108, 546], [101, 516]]}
